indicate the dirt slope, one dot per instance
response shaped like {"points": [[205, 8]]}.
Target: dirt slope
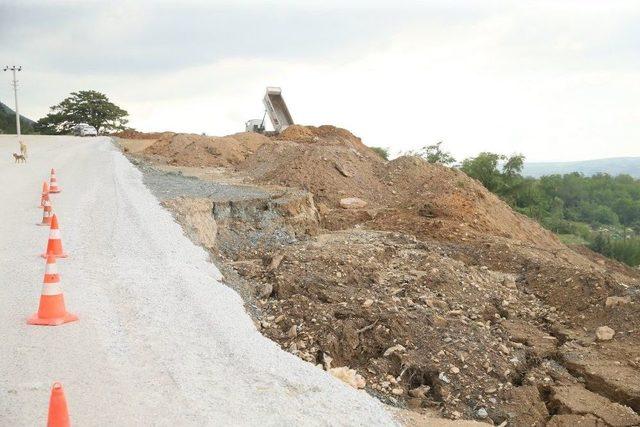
{"points": [[433, 290], [408, 193]]}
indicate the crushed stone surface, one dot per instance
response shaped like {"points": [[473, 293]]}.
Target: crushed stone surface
{"points": [[160, 340], [168, 185]]}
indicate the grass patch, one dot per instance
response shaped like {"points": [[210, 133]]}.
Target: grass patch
{"points": [[572, 239]]}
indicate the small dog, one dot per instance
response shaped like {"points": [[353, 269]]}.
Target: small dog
{"points": [[23, 149], [19, 158]]}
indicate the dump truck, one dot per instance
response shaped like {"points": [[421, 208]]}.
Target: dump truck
{"points": [[277, 109]]}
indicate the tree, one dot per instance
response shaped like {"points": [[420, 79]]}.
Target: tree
{"points": [[484, 168], [86, 106], [513, 166], [434, 154], [506, 182]]}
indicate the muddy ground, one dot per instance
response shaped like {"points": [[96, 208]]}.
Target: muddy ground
{"points": [[434, 298]]}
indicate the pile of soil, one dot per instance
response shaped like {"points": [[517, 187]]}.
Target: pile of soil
{"points": [[432, 192], [325, 134], [330, 172], [405, 194], [206, 151], [134, 134]]}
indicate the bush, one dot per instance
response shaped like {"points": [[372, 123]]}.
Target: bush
{"points": [[382, 152], [433, 154], [627, 251]]}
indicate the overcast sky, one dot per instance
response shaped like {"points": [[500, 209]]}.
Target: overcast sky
{"points": [[554, 80]]}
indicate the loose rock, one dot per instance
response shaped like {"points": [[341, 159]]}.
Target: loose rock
{"points": [[352, 203], [605, 333], [349, 376]]}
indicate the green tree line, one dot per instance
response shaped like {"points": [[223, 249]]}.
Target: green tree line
{"points": [[602, 211]]}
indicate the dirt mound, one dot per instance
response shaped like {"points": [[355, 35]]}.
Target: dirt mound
{"points": [[330, 172], [134, 134], [200, 150], [425, 193], [325, 134], [407, 194]]}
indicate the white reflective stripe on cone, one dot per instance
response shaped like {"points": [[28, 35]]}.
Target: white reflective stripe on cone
{"points": [[51, 269], [51, 288], [54, 234]]}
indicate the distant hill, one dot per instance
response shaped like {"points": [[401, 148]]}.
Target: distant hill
{"points": [[613, 166], [8, 121]]}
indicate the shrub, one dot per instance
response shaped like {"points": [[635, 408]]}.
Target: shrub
{"points": [[382, 152]]}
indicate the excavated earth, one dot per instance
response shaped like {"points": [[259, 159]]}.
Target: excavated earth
{"points": [[429, 292]]}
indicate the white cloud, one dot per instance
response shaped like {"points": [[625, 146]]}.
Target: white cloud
{"points": [[553, 80]]}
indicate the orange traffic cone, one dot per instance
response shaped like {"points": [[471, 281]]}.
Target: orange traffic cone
{"points": [[54, 245], [47, 211], [58, 412], [45, 193], [53, 183], [51, 311]]}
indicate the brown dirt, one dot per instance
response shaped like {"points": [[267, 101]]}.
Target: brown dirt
{"points": [[413, 195], [134, 134], [436, 292], [332, 164], [205, 151], [135, 146], [325, 135]]}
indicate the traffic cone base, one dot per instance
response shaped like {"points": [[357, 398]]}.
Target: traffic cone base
{"points": [[68, 317]]}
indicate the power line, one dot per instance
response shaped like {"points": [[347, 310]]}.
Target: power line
{"points": [[15, 68]]}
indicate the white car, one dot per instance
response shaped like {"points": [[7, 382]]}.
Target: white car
{"points": [[84, 129]]}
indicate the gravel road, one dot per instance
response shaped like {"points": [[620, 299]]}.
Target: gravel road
{"points": [[160, 340]]}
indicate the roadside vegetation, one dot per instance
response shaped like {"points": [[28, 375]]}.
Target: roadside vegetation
{"points": [[600, 211]]}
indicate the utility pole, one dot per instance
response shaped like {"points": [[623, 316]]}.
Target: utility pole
{"points": [[15, 93]]}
